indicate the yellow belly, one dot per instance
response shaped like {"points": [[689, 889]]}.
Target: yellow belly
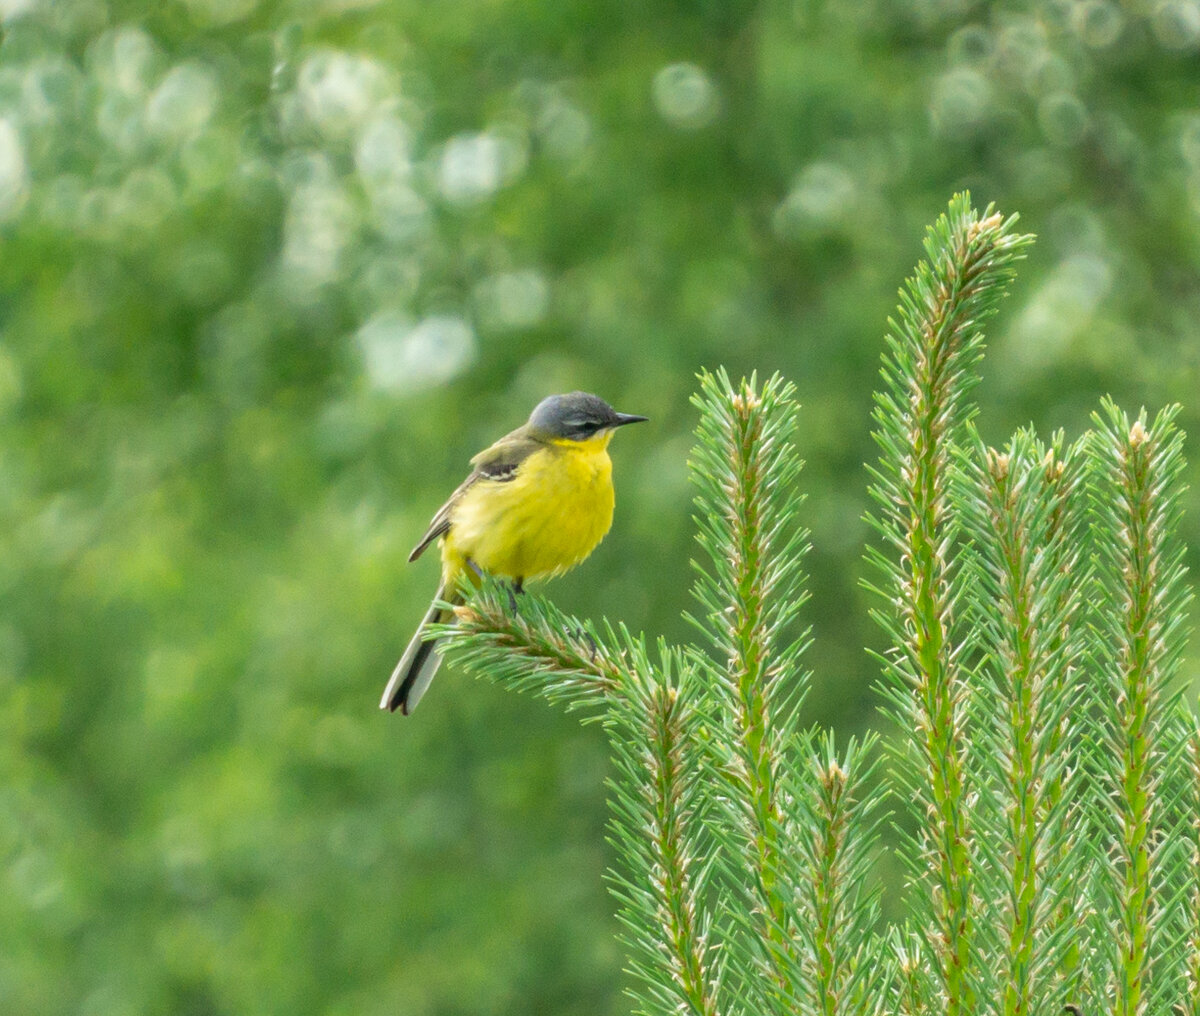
{"points": [[543, 522]]}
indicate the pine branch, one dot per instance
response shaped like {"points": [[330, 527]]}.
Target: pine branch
{"points": [[828, 862], [1191, 1004], [746, 467], [745, 843], [1025, 590], [928, 370], [650, 714], [834, 829], [655, 802], [533, 648], [909, 977], [1136, 507]]}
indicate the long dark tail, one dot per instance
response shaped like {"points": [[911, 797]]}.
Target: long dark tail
{"points": [[418, 664]]}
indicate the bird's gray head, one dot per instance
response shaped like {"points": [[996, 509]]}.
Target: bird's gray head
{"points": [[576, 416]]}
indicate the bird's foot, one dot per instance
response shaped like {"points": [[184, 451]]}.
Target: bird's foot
{"points": [[583, 635], [515, 590]]}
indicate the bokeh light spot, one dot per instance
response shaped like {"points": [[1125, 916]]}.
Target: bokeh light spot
{"points": [[320, 222], [819, 199], [1064, 119], [340, 91], [209, 158], [1189, 140], [1097, 22], [383, 153], [399, 355], [400, 213], [564, 128], [685, 96], [12, 9], [125, 60], [49, 90], [1177, 24], [474, 166], [183, 102], [961, 100], [971, 45], [14, 173], [1020, 47], [512, 300], [1049, 75], [1062, 308]]}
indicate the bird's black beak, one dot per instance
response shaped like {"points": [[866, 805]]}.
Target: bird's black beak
{"points": [[624, 418]]}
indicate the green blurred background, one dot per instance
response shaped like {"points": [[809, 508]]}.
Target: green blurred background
{"points": [[271, 272]]}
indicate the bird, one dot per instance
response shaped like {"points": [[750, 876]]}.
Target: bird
{"points": [[536, 503]]}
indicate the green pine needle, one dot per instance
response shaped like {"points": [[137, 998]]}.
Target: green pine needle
{"points": [[1035, 603]]}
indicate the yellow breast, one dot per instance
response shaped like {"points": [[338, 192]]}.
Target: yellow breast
{"points": [[543, 522]]}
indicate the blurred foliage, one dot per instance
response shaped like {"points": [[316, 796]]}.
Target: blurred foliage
{"points": [[272, 272]]}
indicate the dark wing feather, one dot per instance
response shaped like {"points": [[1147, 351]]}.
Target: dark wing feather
{"points": [[439, 525], [498, 464]]}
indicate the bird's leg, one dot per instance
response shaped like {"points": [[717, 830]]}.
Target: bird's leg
{"points": [[592, 647], [475, 569], [586, 636]]}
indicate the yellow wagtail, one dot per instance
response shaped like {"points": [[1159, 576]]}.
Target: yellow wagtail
{"points": [[536, 504]]}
